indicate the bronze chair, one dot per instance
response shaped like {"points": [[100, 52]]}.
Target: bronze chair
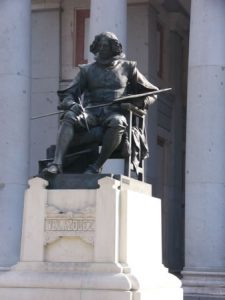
{"points": [[79, 157]]}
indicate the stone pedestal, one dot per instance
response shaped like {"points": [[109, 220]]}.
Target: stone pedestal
{"points": [[99, 243]]}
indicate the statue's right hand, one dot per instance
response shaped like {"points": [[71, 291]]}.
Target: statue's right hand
{"points": [[76, 108]]}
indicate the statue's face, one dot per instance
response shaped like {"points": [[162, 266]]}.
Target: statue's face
{"points": [[104, 48]]}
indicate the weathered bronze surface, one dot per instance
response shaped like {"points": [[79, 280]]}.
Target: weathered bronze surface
{"points": [[111, 76]]}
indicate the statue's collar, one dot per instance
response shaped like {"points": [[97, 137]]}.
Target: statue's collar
{"points": [[110, 62]]}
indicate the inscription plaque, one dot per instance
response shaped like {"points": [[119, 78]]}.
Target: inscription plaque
{"points": [[69, 224], [59, 224]]}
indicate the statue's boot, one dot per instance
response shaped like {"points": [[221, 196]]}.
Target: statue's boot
{"points": [[65, 136], [111, 140], [53, 169]]}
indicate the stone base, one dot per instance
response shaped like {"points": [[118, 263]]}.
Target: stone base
{"points": [[203, 285], [72, 294], [65, 281], [100, 243], [202, 297], [62, 294], [75, 286]]}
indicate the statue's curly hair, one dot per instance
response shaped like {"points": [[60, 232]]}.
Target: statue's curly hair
{"points": [[115, 44]]}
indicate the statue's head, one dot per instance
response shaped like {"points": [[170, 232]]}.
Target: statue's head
{"points": [[106, 45]]}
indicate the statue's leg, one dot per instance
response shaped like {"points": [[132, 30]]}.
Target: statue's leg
{"points": [[65, 136], [67, 131], [111, 140]]}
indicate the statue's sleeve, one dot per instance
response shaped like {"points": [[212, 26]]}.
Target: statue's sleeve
{"points": [[140, 84], [71, 94]]}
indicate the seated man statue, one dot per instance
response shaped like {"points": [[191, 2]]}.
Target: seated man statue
{"points": [[106, 79]]}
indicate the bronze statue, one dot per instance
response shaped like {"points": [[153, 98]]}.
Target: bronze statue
{"points": [[108, 78]]}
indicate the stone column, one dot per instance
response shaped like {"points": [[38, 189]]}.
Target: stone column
{"points": [[204, 272], [14, 122], [107, 15]]}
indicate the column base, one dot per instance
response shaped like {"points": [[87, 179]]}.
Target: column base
{"points": [[203, 285]]}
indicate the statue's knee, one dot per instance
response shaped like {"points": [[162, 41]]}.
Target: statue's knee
{"points": [[69, 114], [118, 121], [68, 122], [70, 118]]}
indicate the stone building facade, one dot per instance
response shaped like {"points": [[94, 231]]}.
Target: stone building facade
{"points": [[178, 44]]}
